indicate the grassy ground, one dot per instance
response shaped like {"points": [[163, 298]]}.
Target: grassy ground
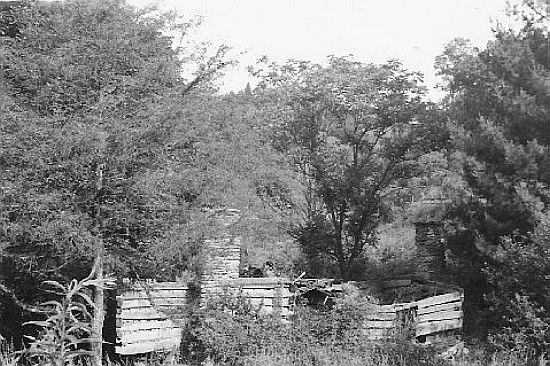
{"points": [[361, 356]]}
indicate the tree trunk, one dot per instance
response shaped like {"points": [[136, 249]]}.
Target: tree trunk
{"points": [[99, 314]]}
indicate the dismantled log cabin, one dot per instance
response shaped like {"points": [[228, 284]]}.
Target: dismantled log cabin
{"points": [[150, 315]]}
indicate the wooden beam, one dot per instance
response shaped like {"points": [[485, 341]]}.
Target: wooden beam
{"points": [[442, 315], [434, 327], [440, 299], [451, 306]]}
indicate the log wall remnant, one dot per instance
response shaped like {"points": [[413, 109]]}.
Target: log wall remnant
{"points": [[268, 295], [150, 316]]}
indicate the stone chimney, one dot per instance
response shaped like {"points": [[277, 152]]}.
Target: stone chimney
{"points": [[222, 254], [430, 249]]}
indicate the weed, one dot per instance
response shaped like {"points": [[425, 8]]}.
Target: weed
{"points": [[66, 332]]}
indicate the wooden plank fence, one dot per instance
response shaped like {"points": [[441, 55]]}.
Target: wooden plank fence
{"points": [[150, 317]]}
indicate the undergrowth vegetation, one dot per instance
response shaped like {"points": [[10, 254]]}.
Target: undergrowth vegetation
{"points": [[231, 331]]}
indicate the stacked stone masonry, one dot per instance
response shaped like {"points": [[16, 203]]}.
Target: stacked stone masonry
{"points": [[430, 255]]}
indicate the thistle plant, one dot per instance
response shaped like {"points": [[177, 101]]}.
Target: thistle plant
{"points": [[67, 330]]}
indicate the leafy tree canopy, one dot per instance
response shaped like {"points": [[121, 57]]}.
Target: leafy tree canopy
{"points": [[354, 132]]}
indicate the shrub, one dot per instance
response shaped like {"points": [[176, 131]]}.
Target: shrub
{"points": [[517, 298], [230, 331], [67, 326]]}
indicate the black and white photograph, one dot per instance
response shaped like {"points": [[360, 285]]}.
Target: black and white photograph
{"points": [[274, 183]]}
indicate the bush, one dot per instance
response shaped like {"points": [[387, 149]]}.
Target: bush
{"points": [[517, 298], [230, 331]]}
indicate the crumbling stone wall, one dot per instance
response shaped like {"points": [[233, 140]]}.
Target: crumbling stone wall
{"points": [[430, 250], [222, 254]]}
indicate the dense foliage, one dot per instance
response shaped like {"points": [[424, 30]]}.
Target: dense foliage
{"points": [[498, 107], [105, 144]]}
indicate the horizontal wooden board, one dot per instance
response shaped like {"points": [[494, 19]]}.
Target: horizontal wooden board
{"points": [[148, 346], [379, 324], [142, 314], [451, 306], [441, 315], [395, 307], [439, 326], [131, 326], [262, 281], [163, 301], [157, 287], [134, 295], [440, 299], [148, 335], [122, 323]]}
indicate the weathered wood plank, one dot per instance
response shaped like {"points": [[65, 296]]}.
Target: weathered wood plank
{"points": [[154, 284], [442, 315], [265, 283], [148, 335], [434, 327], [132, 325], [451, 306], [149, 346], [395, 307], [142, 314], [135, 295], [143, 303], [440, 299], [137, 323]]}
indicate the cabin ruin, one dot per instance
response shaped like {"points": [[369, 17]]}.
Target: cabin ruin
{"points": [[150, 315]]}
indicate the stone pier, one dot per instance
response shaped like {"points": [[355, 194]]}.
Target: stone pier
{"points": [[430, 249]]}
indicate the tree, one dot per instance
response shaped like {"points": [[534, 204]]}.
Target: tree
{"points": [[89, 92], [355, 132], [497, 103]]}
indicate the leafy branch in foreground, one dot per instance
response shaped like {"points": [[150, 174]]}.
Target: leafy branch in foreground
{"points": [[67, 327]]}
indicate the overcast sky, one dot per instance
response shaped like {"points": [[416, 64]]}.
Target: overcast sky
{"points": [[414, 31]]}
